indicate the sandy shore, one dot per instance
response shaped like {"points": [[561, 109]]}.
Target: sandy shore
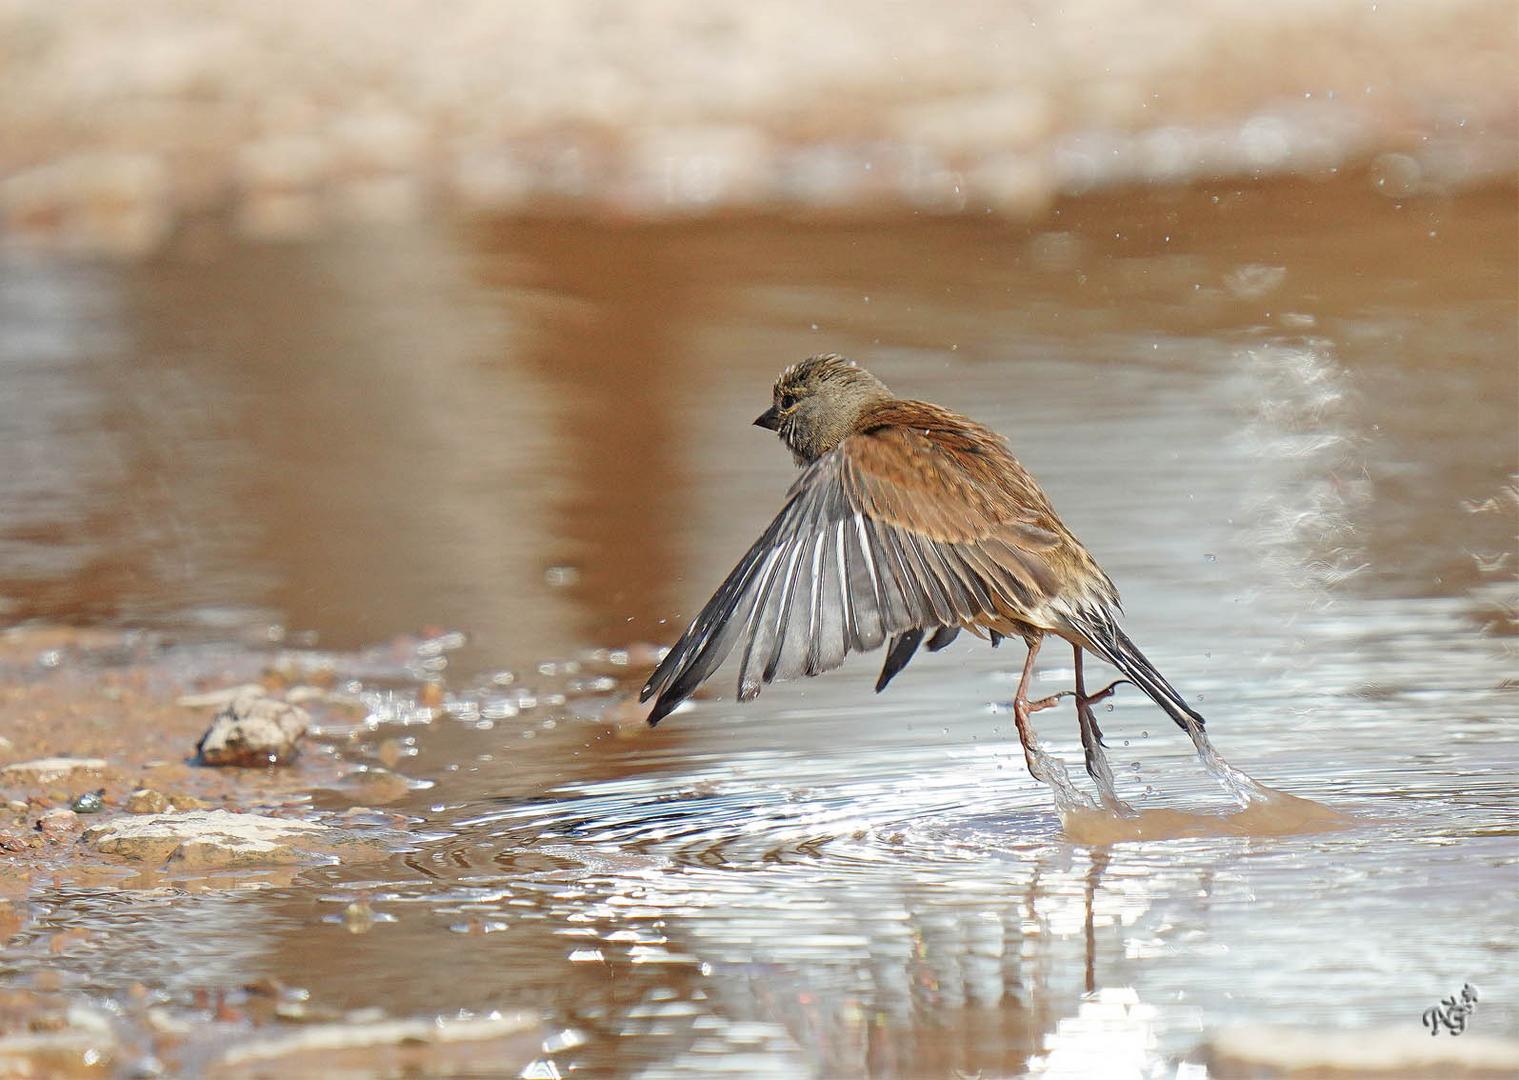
{"points": [[124, 124], [100, 787]]}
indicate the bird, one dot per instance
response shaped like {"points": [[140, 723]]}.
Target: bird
{"points": [[908, 521]]}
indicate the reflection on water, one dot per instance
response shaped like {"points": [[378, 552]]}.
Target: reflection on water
{"points": [[1294, 454]]}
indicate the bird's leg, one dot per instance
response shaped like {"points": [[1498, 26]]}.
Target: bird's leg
{"points": [[1042, 766], [1091, 740]]}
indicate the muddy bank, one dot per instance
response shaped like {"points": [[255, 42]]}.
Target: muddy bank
{"points": [[106, 749], [123, 126], [102, 788]]}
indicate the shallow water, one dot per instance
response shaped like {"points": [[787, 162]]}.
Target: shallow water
{"points": [[1283, 419]]}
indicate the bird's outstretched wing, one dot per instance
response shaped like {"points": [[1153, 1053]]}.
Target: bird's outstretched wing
{"points": [[898, 529]]}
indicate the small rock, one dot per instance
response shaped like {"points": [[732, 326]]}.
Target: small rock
{"points": [[376, 785], [14, 843], [57, 822], [49, 770], [91, 802], [187, 802], [147, 801], [254, 730]]}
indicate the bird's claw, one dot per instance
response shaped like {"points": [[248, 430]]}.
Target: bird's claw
{"points": [[1085, 703]]}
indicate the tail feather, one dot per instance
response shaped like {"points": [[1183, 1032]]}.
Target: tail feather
{"points": [[1108, 641], [903, 646]]}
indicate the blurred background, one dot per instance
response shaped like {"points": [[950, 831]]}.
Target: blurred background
{"points": [[124, 127], [324, 323], [291, 295]]}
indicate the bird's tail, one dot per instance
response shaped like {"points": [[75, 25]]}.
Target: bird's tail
{"points": [[1106, 638]]}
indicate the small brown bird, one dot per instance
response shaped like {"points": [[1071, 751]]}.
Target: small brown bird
{"points": [[908, 520]]}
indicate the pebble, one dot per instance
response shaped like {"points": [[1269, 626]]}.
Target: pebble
{"points": [[254, 730], [49, 770], [377, 785], [91, 802], [147, 801], [57, 822]]}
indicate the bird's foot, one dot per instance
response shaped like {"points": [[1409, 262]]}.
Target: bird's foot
{"points": [[1043, 703], [1043, 766]]}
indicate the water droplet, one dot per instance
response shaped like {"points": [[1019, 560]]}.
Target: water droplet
{"points": [[1210, 557], [1144, 734], [1108, 706], [1126, 742], [1134, 765]]}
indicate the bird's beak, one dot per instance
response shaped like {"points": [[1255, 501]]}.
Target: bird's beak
{"points": [[769, 419]]}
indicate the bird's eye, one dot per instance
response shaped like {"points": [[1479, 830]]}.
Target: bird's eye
{"points": [[788, 401]]}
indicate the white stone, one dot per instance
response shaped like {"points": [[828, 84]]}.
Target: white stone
{"points": [[49, 770], [253, 730], [211, 838]]}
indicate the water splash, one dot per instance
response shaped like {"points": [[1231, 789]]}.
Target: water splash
{"points": [[1262, 811], [1050, 771]]}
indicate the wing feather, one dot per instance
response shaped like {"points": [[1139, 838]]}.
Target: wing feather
{"points": [[903, 528]]}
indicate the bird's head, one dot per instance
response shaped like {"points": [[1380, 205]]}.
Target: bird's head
{"points": [[818, 402]]}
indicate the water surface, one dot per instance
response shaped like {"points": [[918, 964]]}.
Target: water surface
{"points": [[1283, 418]]}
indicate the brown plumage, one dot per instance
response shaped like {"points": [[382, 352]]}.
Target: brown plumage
{"points": [[907, 519]]}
